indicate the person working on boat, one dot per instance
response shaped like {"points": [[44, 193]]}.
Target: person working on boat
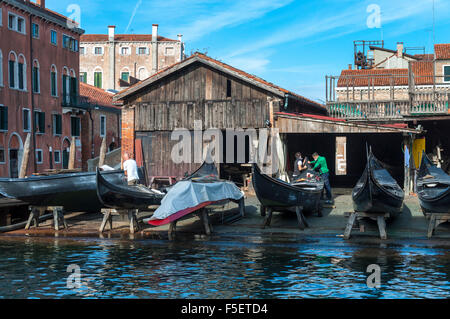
{"points": [[320, 164], [130, 168], [299, 165]]}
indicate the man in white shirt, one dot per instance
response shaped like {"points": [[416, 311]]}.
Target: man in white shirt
{"points": [[130, 168]]}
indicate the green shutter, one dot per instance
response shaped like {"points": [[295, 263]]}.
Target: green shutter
{"points": [[98, 79], [41, 122], [53, 79], [4, 118], [21, 86], [11, 74]]}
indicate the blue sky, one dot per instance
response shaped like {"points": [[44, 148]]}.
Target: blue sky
{"points": [[291, 43]]}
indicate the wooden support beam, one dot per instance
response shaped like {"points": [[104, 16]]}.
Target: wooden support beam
{"points": [[72, 154], [101, 160], [26, 155], [381, 221], [172, 229], [302, 224]]}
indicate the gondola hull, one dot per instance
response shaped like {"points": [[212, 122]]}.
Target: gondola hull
{"points": [[376, 191], [277, 194], [124, 196], [76, 192], [433, 188]]}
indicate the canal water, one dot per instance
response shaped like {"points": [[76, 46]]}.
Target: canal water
{"points": [[254, 268]]}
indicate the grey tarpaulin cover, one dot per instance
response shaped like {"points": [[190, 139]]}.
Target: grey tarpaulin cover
{"points": [[187, 196]]}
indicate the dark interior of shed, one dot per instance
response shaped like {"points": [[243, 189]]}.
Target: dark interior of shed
{"points": [[438, 133], [386, 147]]}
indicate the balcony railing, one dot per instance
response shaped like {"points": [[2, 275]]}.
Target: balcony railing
{"points": [[74, 100]]}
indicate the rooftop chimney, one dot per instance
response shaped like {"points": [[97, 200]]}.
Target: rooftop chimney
{"points": [[154, 32], [179, 37], [41, 3], [111, 29], [349, 66], [400, 49]]}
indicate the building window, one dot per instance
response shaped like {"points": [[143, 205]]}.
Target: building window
{"points": [[3, 118], [142, 50], [57, 124], [35, 30], [39, 156], [82, 50], [170, 51], [16, 23], [57, 155], [26, 117], [98, 79], [125, 51], [83, 77], [125, 76], [228, 88], [446, 73], [36, 77], [75, 126], [54, 37], [21, 76], [98, 50], [39, 122], [12, 71], [2, 152], [102, 126], [70, 43], [53, 84]]}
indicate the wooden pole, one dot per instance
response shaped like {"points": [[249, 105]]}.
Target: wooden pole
{"points": [[72, 154], [101, 159], [26, 154]]}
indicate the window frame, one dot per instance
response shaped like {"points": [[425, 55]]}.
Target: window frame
{"points": [[54, 124], [16, 24], [29, 119], [443, 73], [4, 155], [39, 150], [71, 126], [56, 37], [95, 51], [59, 156], [33, 25], [125, 47], [37, 125], [102, 127], [4, 129]]}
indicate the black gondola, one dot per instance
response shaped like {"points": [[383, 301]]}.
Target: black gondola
{"points": [[124, 196], [76, 192], [377, 191], [207, 171], [275, 194], [433, 187]]}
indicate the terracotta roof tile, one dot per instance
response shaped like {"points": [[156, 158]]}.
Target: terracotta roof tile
{"points": [[122, 37], [423, 73], [442, 51], [224, 65], [97, 96]]}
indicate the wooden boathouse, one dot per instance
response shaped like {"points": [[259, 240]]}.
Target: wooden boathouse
{"points": [[204, 89], [200, 88]]}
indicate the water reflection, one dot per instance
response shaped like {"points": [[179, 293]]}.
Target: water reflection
{"points": [[32, 268]]}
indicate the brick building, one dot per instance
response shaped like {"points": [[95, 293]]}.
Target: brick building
{"points": [[101, 119], [39, 64], [106, 58]]}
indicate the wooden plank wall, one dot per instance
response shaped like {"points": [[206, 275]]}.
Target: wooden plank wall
{"points": [[199, 93], [157, 148]]}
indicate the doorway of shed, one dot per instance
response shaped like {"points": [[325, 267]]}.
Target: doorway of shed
{"points": [[386, 147]]}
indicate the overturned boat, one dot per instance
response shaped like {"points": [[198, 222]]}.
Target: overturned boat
{"points": [[76, 192], [433, 187], [122, 196], [279, 195], [377, 191]]}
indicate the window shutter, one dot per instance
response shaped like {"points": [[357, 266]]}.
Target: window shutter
{"points": [[41, 122], [21, 86], [12, 82]]}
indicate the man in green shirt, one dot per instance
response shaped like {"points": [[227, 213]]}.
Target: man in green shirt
{"points": [[320, 164]]}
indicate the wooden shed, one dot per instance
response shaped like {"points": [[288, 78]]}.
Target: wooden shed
{"points": [[198, 88]]}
